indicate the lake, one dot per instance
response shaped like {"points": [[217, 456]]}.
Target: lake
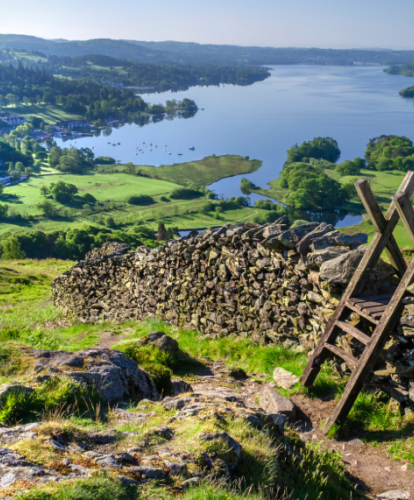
{"points": [[262, 121]]}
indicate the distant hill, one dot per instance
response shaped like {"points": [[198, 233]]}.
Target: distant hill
{"points": [[169, 52]]}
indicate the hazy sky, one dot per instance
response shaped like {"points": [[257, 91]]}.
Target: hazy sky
{"points": [[277, 23]]}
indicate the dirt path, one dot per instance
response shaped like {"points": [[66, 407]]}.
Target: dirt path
{"points": [[369, 467]]}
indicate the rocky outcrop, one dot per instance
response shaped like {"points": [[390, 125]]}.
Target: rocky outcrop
{"points": [[112, 373]]}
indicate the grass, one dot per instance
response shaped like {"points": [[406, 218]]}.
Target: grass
{"points": [[59, 394], [49, 113], [203, 172], [112, 187]]}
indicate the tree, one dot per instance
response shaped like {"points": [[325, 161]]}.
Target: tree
{"points": [[44, 190], [28, 171], [3, 211], [246, 186], [89, 198], [19, 167], [324, 148], [12, 99], [63, 192], [348, 168], [110, 222], [11, 249], [130, 168], [47, 208]]}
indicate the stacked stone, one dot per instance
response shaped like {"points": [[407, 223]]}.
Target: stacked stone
{"points": [[271, 283]]}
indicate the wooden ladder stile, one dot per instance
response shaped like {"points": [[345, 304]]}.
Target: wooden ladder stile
{"points": [[382, 310]]}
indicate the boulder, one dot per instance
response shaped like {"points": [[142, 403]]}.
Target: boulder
{"points": [[284, 378], [111, 372], [167, 344], [340, 270], [272, 402], [180, 387]]}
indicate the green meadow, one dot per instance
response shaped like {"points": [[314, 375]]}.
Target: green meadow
{"points": [[112, 186], [49, 113]]}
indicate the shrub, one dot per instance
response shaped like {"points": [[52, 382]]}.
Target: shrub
{"points": [[110, 221], [140, 200], [105, 160], [11, 249], [185, 194], [246, 186]]}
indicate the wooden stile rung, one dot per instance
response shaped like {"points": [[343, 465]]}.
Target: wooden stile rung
{"points": [[347, 328], [348, 358], [381, 310]]}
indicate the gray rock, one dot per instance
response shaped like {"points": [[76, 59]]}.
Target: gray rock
{"points": [[292, 237], [190, 483], [167, 344], [272, 402], [150, 472], [56, 445], [177, 469], [181, 387], [108, 461], [335, 238], [111, 372], [174, 403], [7, 480], [304, 244], [153, 336], [315, 260], [284, 378], [127, 481], [340, 270], [394, 495]]}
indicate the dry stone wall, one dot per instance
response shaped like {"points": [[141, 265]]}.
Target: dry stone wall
{"points": [[271, 282]]}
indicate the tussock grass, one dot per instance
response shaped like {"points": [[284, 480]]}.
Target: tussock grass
{"points": [[99, 487], [57, 394]]}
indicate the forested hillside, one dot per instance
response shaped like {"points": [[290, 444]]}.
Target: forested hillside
{"points": [[193, 53]]}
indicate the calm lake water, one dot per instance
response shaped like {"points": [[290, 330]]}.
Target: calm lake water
{"points": [[262, 121]]}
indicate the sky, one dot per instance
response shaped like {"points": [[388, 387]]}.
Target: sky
{"points": [[274, 23]]}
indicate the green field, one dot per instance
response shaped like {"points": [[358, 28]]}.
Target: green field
{"points": [[203, 172], [49, 113], [111, 186]]}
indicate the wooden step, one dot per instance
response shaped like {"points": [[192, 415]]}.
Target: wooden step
{"points": [[348, 358], [346, 327], [371, 308]]}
